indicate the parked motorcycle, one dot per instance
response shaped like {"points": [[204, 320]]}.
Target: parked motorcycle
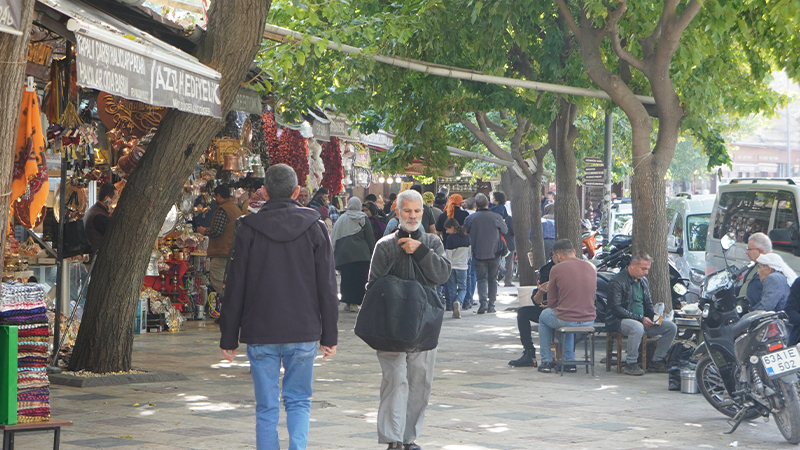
{"points": [[744, 367]]}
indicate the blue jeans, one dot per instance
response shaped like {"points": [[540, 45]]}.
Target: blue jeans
{"points": [[456, 287], [265, 367], [472, 279], [549, 322]]}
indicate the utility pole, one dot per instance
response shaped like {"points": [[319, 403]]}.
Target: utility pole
{"points": [[607, 160]]}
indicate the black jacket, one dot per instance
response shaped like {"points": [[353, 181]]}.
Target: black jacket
{"points": [[281, 282], [620, 297]]}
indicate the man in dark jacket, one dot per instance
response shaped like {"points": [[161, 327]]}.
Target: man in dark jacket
{"points": [[499, 202], [407, 377], [630, 311], [280, 299], [484, 228], [98, 217]]}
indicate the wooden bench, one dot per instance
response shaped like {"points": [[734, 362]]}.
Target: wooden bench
{"points": [[52, 424]]}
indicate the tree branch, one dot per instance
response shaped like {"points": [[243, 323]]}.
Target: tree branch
{"points": [[564, 10], [613, 29], [484, 137], [497, 128]]}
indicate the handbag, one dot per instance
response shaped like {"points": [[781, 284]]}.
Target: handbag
{"points": [[400, 315]]}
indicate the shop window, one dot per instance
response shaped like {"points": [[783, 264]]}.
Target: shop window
{"points": [[743, 214], [786, 214]]}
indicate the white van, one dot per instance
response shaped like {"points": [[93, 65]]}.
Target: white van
{"points": [[752, 205], [621, 215], [688, 217]]}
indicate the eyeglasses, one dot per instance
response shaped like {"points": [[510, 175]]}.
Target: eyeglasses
{"points": [[750, 249]]}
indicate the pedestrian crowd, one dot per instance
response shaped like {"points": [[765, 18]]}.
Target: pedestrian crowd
{"points": [[280, 292]]}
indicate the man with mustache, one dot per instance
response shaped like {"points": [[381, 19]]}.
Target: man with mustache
{"points": [[407, 377]]}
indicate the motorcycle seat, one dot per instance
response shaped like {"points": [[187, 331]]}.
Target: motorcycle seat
{"points": [[743, 324]]}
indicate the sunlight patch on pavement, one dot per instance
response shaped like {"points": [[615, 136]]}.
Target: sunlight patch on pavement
{"points": [[466, 447], [225, 364], [193, 398], [328, 380], [605, 386], [496, 428], [693, 425], [505, 346]]}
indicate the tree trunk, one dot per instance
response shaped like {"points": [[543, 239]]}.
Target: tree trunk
{"points": [[562, 137], [13, 55], [105, 338], [649, 208], [521, 204]]}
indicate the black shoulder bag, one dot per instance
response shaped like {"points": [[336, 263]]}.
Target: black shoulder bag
{"points": [[400, 315]]}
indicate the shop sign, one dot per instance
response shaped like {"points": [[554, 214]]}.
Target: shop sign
{"points": [[322, 131], [362, 157], [10, 16], [247, 100], [122, 72], [130, 116], [339, 127], [379, 139]]}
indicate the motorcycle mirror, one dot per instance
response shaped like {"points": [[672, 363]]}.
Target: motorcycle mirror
{"points": [[680, 289], [727, 242]]}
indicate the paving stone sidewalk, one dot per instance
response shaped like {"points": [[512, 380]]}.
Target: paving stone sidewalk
{"points": [[478, 401]]}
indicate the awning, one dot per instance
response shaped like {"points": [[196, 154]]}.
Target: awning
{"points": [[122, 60], [10, 17]]}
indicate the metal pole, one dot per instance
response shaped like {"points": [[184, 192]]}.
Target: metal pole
{"points": [[62, 208], [280, 34], [607, 161], [789, 166]]}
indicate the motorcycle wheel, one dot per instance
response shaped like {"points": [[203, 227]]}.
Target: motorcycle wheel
{"points": [[713, 389], [788, 417]]}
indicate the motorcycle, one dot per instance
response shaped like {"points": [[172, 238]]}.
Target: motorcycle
{"points": [[744, 367]]}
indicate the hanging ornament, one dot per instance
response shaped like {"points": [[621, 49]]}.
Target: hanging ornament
{"points": [[332, 159]]}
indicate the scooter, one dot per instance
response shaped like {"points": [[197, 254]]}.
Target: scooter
{"points": [[744, 367]]}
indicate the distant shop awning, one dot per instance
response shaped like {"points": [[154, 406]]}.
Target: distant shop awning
{"points": [[247, 100], [120, 59], [10, 17]]}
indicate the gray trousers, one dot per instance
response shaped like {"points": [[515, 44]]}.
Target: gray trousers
{"points": [[486, 273], [634, 330], [405, 390]]}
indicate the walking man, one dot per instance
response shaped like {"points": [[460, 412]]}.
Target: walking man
{"points": [[220, 235], [407, 377], [271, 306], [485, 229]]}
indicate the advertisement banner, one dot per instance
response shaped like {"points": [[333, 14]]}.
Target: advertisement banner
{"points": [[10, 17], [122, 72]]}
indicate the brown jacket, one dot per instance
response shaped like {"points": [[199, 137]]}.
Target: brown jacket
{"points": [[219, 247]]}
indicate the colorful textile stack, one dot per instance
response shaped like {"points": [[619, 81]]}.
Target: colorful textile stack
{"points": [[24, 305]]}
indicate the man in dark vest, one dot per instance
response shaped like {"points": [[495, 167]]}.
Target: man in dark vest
{"points": [[220, 235], [96, 220]]}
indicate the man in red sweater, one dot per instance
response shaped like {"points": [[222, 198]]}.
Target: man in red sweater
{"points": [[570, 302]]}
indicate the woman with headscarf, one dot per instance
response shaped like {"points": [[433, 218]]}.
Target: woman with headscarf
{"points": [[452, 210], [776, 277], [353, 242], [374, 215]]}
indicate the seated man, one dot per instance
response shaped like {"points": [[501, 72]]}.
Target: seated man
{"points": [[528, 314], [570, 302], [630, 311]]}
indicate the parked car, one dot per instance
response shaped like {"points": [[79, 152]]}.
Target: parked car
{"points": [[751, 205], [688, 217]]}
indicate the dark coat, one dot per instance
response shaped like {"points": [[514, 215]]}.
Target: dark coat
{"points": [[459, 214], [793, 311], [356, 247], [484, 228], [620, 297], [281, 285]]}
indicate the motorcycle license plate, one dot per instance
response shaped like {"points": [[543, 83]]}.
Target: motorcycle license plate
{"points": [[782, 361]]}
